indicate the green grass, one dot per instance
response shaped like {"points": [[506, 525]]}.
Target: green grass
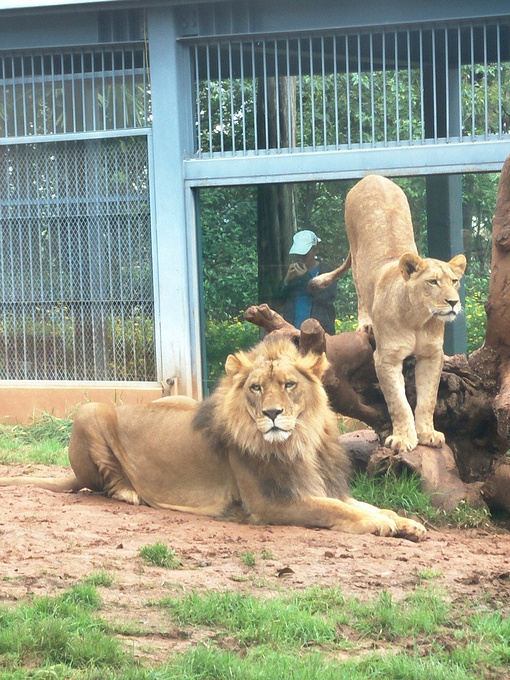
{"points": [[160, 555], [43, 442], [401, 492], [317, 633]]}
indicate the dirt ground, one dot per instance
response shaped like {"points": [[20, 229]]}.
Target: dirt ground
{"points": [[50, 541]]}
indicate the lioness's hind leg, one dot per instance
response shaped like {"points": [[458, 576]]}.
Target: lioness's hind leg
{"points": [[91, 453]]}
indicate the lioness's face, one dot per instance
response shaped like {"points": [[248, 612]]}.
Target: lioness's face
{"points": [[435, 284], [275, 397]]}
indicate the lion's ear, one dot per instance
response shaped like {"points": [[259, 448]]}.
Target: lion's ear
{"points": [[314, 363], [458, 264], [236, 363], [408, 264]]}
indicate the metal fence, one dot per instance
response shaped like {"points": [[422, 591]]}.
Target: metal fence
{"points": [[73, 91], [351, 90], [76, 292], [76, 286]]}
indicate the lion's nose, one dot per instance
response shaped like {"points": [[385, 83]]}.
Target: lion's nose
{"points": [[452, 303], [272, 413]]}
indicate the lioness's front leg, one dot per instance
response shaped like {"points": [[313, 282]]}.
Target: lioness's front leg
{"points": [[391, 379], [427, 375]]}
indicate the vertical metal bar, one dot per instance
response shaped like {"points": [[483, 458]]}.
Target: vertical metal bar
{"points": [[266, 106], [422, 103], [372, 95], [124, 90], [434, 81], [324, 96], [277, 96], [473, 80], [409, 86], [312, 91], [232, 102], [103, 94], [33, 89], [447, 84], [255, 107], [385, 85], [209, 98], [290, 122], [243, 95], [93, 94], [500, 93], [335, 86], [485, 82], [300, 79], [83, 92], [397, 86], [220, 98], [360, 93], [198, 116], [4, 97], [348, 92], [459, 82]]}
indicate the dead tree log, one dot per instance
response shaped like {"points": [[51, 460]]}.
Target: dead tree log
{"points": [[473, 405]]}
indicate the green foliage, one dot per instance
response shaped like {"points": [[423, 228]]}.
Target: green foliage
{"points": [[44, 441], [402, 492], [60, 630], [160, 555], [223, 338]]}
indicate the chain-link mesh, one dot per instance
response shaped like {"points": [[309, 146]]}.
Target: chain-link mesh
{"points": [[76, 291]]}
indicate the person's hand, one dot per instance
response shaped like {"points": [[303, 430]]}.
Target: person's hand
{"points": [[295, 269]]}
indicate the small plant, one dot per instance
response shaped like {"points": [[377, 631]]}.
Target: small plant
{"points": [[159, 555], [267, 555], [248, 558], [99, 578]]}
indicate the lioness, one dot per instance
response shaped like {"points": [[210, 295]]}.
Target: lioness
{"points": [[404, 299], [263, 449]]}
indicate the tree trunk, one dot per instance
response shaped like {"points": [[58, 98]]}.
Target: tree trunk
{"points": [[276, 213]]}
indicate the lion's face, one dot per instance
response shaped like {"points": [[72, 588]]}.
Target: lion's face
{"points": [[275, 389], [433, 284]]}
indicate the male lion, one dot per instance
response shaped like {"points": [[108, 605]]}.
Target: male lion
{"points": [[404, 299], [262, 449]]}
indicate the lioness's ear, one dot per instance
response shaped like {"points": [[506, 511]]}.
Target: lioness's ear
{"points": [[458, 264], [408, 264], [235, 363], [314, 363]]}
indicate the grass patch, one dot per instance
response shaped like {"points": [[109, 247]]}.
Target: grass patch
{"points": [[60, 631], [317, 633], [402, 492], [42, 442], [160, 555]]}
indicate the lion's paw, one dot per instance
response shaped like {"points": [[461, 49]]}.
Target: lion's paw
{"points": [[127, 496], [411, 530], [431, 438], [401, 444], [371, 523]]}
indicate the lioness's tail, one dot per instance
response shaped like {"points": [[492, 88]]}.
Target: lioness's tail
{"points": [[57, 484], [325, 280]]}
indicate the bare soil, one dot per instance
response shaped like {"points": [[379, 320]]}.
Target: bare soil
{"points": [[50, 541]]}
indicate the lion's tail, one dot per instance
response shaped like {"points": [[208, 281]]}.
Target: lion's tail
{"points": [[56, 484], [325, 280]]}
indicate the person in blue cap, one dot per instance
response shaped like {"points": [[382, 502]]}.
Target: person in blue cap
{"points": [[299, 303]]}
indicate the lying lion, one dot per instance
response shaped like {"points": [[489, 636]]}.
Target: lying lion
{"points": [[404, 299], [262, 449]]}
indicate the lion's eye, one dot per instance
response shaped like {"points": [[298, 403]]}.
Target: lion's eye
{"points": [[433, 282], [290, 384], [255, 387], [455, 282]]}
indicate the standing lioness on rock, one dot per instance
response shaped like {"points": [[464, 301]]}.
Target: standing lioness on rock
{"points": [[404, 299]]}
